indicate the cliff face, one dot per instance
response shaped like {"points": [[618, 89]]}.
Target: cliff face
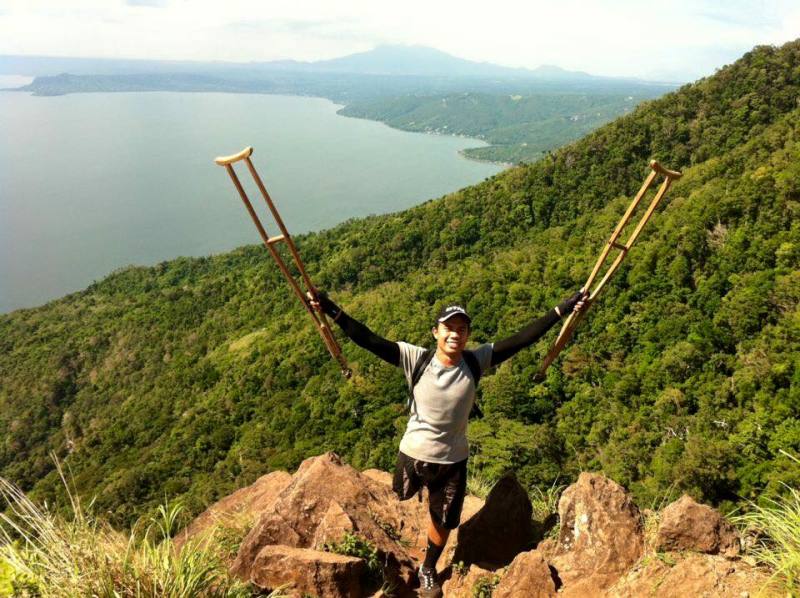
{"points": [[197, 376], [330, 530]]}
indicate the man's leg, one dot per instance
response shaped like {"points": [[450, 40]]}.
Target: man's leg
{"points": [[437, 538], [445, 500]]}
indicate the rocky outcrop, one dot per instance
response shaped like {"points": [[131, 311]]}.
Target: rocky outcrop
{"points": [[307, 571], [601, 534], [529, 576], [325, 499], [600, 549], [500, 530], [688, 525]]}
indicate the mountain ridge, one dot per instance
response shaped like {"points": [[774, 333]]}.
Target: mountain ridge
{"points": [[381, 60]]}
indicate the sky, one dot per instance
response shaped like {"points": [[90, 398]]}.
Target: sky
{"points": [[677, 40]]}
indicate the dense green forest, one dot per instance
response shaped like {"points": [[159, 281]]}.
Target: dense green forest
{"points": [[520, 128], [191, 378]]}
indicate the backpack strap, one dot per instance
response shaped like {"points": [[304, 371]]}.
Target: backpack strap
{"points": [[473, 365], [416, 373], [422, 363], [475, 370]]}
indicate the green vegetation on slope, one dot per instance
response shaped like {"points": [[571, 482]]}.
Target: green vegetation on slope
{"points": [[520, 127], [193, 377]]}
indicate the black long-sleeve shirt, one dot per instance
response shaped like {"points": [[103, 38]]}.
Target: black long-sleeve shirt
{"points": [[390, 352]]}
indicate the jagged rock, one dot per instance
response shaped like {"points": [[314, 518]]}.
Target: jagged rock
{"points": [[333, 526], [529, 576], [308, 571], [548, 547], [384, 477], [695, 575], [688, 525], [306, 505], [239, 509], [463, 586], [601, 535], [500, 530]]}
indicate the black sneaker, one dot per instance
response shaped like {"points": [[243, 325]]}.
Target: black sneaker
{"points": [[428, 583]]}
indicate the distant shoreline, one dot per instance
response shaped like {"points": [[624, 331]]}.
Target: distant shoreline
{"points": [[337, 105]]}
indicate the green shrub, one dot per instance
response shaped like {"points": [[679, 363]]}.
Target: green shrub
{"points": [[354, 545], [485, 585]]}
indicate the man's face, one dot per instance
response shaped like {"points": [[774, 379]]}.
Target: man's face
{"points": [[451, 335]]}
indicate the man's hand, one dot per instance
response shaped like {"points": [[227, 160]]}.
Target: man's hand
{"points": [[575, 303], [323, 304]]}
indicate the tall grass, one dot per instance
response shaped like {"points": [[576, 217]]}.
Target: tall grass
{"points": [[545, 502], [774, 531], [479, 485], [54, 556]]}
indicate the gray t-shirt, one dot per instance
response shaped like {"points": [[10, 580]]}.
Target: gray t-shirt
{"points": [[443, 399]]}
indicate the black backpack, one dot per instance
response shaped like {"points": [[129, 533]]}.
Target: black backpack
{"points": [[425, 359]]}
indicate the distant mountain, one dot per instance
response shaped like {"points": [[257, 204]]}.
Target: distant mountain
{"points": [[419, 60], [387, 60]]}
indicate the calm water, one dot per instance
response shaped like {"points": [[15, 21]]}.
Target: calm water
{"points": [[93, 182]]}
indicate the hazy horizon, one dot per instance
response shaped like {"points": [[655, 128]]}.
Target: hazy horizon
{"points": [[681, 42]]}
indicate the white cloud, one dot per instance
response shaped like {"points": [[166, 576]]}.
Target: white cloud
{"points": [[620, 37]]}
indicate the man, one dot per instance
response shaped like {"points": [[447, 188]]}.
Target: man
{"points": [[434, 450]]}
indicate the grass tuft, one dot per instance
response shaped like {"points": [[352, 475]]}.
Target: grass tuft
{"points": [[774, 530], [545, 502], [48, 555], [479, 485]]}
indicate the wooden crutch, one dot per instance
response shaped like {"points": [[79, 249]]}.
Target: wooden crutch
{"points": [[575, 318], [320, 321]]}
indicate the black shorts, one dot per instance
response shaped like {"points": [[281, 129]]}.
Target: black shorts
{"points": [[446, 484]]}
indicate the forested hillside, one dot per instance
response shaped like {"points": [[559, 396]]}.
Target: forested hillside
{"points": [[194, 377], [519, 127]]}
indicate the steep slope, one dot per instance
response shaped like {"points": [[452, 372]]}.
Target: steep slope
{"points": [[193, 377]]}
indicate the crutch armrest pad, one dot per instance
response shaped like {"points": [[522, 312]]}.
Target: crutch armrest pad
{"points": [[226, 160], [673, 174]]}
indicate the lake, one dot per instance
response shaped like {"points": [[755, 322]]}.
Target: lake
{"points": [[93, 182]]}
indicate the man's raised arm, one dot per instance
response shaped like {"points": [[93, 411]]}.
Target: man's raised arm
{"points": [[507, 347], [361, 335]]}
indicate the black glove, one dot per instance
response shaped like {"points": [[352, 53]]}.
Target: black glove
{"points": [[328, 307], [565, 307]]}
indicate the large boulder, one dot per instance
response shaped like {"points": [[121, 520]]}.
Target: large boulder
{"points": [[500, 530], [327, 497], [601, 535], [688, 525], [237, 510], [307, 571], [529, 576]]}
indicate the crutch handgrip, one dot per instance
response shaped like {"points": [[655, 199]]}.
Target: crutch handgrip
{"points": [[673, 174], [227, 160]]}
